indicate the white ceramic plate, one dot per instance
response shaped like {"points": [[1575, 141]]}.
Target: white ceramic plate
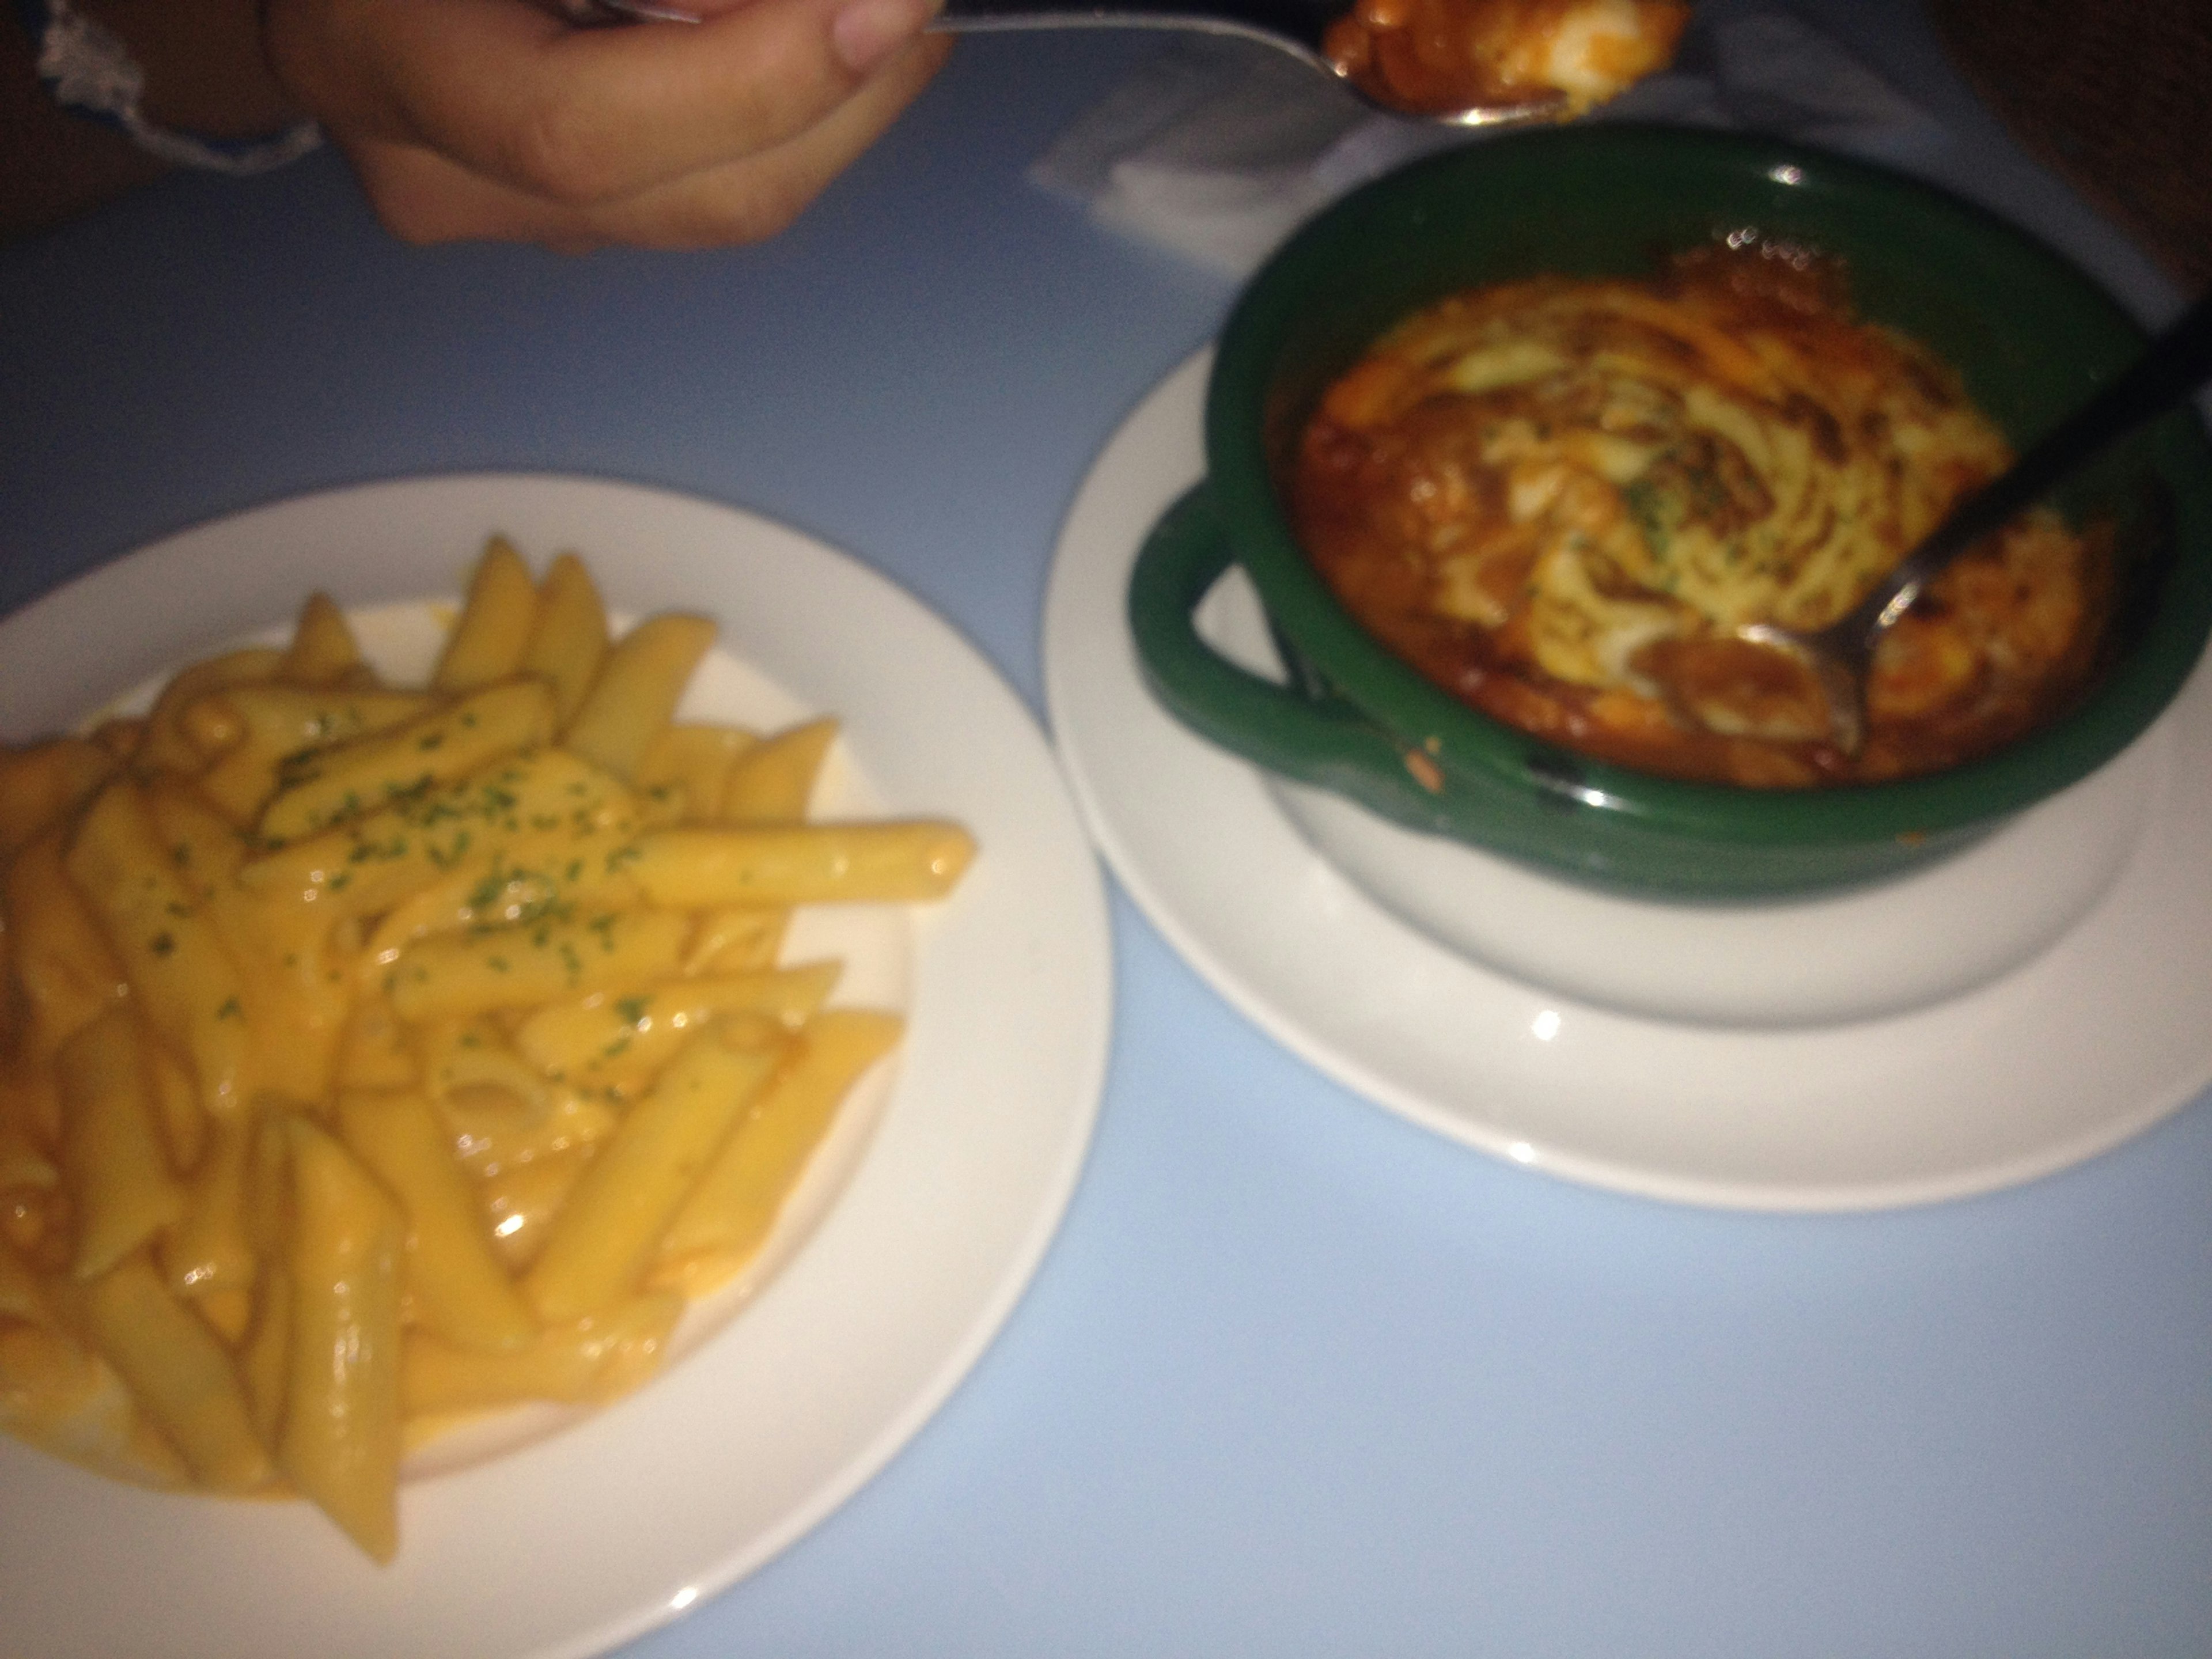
{"points": [[941, 1208], [2083, 1042]]}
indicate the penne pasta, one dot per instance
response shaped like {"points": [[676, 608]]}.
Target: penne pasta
{"points": [[120, 739], [375, 1051], [177, 1372], [323, 651], [567, 635], [176, 962], [176, 1105], [636, 692], [738, 939], [340, 1440], [685, 770], [55, 1394], [66, 977], [773, 782], [583, 1361], [206, 1252], [499, 1109], [228, 1313], [249, 732], [22, 1296], [24, 1165], [352, 779], [264, 1355], [43, 783], [370, 1057], [547, 814], [295, 997], [459, 1289], [515, 884], [288, 717], [618, 1040], [894, 863], [606, 1234], [62, 964], [112, 1159], [729, 1212], [165, 746], [488, 642], [520, 1200], [455, 975]]}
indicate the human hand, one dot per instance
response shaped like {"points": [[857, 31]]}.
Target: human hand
{"points": [[493, 119]]}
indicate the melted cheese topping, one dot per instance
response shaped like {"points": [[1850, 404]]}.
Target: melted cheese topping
{"points": [[1588, 483]]}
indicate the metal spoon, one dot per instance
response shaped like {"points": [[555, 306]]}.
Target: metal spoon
{"points": [[1839, 656], [1292, 25]]}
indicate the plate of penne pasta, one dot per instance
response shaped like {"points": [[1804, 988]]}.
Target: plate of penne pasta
{"points": [[506, 1118]]}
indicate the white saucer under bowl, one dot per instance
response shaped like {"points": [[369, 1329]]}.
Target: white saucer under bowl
{"points": [[1837, 1054], [1884, 948]]}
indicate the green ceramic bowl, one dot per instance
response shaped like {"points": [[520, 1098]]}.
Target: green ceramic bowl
{"points": [[2030, 334]]}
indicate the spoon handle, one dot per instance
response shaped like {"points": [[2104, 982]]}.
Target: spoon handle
{"points": [[599, 13], [1295, 25], [2174, 363]]}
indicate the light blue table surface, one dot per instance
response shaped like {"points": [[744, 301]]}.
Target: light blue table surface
{"points": [[1297, 1378]]}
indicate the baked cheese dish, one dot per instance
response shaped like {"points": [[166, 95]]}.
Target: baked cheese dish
{"points": [[1563, 498]]}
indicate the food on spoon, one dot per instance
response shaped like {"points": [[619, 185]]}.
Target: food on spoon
{"points": [[371, 1056], [1560, 498], [1439, 57]]}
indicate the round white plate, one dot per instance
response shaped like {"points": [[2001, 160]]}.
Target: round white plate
{"points": [[2085, 1041], [587, 1536]]}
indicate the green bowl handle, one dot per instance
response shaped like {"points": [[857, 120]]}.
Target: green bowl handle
{"points": [[1320, 741]]}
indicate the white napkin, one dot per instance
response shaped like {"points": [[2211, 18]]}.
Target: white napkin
{"points": [[1218, 147]]}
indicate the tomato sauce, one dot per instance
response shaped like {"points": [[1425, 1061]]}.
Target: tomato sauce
{"points": [[1564, 500]]}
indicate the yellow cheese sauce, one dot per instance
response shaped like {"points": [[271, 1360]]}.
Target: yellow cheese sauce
{"points": [[1560, 498], [375, 1058]]}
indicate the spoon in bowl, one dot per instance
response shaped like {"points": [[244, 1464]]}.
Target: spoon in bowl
{"points": [[1839, 656], [1296, 26]]}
